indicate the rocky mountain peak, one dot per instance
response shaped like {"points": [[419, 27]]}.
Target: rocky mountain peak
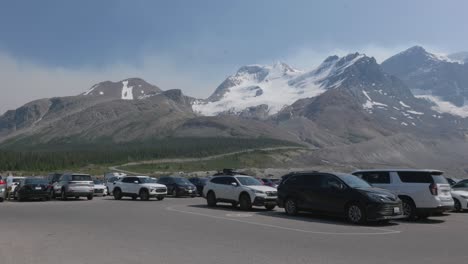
{"points": [[127, 89]]}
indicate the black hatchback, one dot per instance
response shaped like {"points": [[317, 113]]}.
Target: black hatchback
{"points": [[338, 194]]}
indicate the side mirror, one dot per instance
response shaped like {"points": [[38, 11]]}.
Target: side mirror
{"points": [[337, 185], [234, 184]]}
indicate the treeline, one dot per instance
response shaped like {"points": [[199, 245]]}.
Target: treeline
{"points": [[52, 157]]}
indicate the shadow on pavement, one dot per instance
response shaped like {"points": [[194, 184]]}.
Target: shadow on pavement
{"points": [[303, 217]]}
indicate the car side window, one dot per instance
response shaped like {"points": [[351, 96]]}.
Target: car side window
{"points": [[217, 180], [328, 181], [377, 177], [230, 181], [415, 177], [127, 180]]}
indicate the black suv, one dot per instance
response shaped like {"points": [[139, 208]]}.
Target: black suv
{"points": [[178, 186], [337, 194]]}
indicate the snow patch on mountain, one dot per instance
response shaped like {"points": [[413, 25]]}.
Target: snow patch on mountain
{"points": [[442, 106], [127, 92], [369, 104]]}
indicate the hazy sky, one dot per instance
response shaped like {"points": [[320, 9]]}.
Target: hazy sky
{"points": [[56, 48]]}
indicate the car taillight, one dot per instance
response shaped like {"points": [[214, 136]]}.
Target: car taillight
{"points": [[2, 182], [433, 189]]}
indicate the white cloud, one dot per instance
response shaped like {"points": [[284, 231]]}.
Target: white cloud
{"points": [[22, 81]]}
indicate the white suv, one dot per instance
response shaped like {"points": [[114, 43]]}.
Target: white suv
{"points": [[460, 195], [239, 189], [139, 186], [423, 192]]}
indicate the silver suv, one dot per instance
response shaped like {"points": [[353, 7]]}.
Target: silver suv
{"points": [[74, 185]]}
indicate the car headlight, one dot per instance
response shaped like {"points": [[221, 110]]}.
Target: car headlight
{"points": [[260, 192], [378, 197]]}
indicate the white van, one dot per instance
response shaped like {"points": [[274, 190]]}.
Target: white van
{"points": [[423, 192]]}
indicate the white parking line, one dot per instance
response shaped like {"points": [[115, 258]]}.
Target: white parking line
{"points": [[382, 231]]}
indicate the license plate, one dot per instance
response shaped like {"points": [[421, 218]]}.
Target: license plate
{"points": [[38, 188], [396, 210], [190, 191]]}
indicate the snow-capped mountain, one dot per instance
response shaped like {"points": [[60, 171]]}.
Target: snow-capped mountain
{"points": [[128, 89], [442, 80], [275, 86]]}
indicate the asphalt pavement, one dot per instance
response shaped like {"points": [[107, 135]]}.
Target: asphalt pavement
{"points": [[184, 230]]}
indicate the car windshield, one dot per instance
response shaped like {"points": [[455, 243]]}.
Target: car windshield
{"points": [[354, 181], [180, 180], [81, 178], [36, 181], [248, 181]]}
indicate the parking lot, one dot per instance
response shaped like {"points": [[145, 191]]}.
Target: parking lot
{"points": [[184, 230]]}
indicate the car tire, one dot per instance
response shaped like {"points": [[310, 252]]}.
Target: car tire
{"points": [[134, 197], [63, 195], [90, 197], [356, 214], [211, 199], [245, 202], [117, 194], [457, 206], [144, 195], [1, 200], [270, 207], [409, 209], [290, 207], [160, 198]]}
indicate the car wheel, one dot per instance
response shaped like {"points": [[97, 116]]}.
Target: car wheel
{"points": [[457, 206], [90, 197], [134, 197], [1, 200], [290, 207], [409, 209], [245, 202], [144, 195], [63, 195], [117, 194], [356, 214], [270, 207], [211, 199], [160, 198]]}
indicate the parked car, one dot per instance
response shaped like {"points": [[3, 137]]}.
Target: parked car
{"points": [[270, 182], [74, 185], [242, 190], [3, 189], [423, 192], [460, 195], [199, 183], [12, 184], [54, 177], [110, 183], [178, 186], [110, 175], [99, 188], [337, 194], [139, 186], [33, 188]]}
